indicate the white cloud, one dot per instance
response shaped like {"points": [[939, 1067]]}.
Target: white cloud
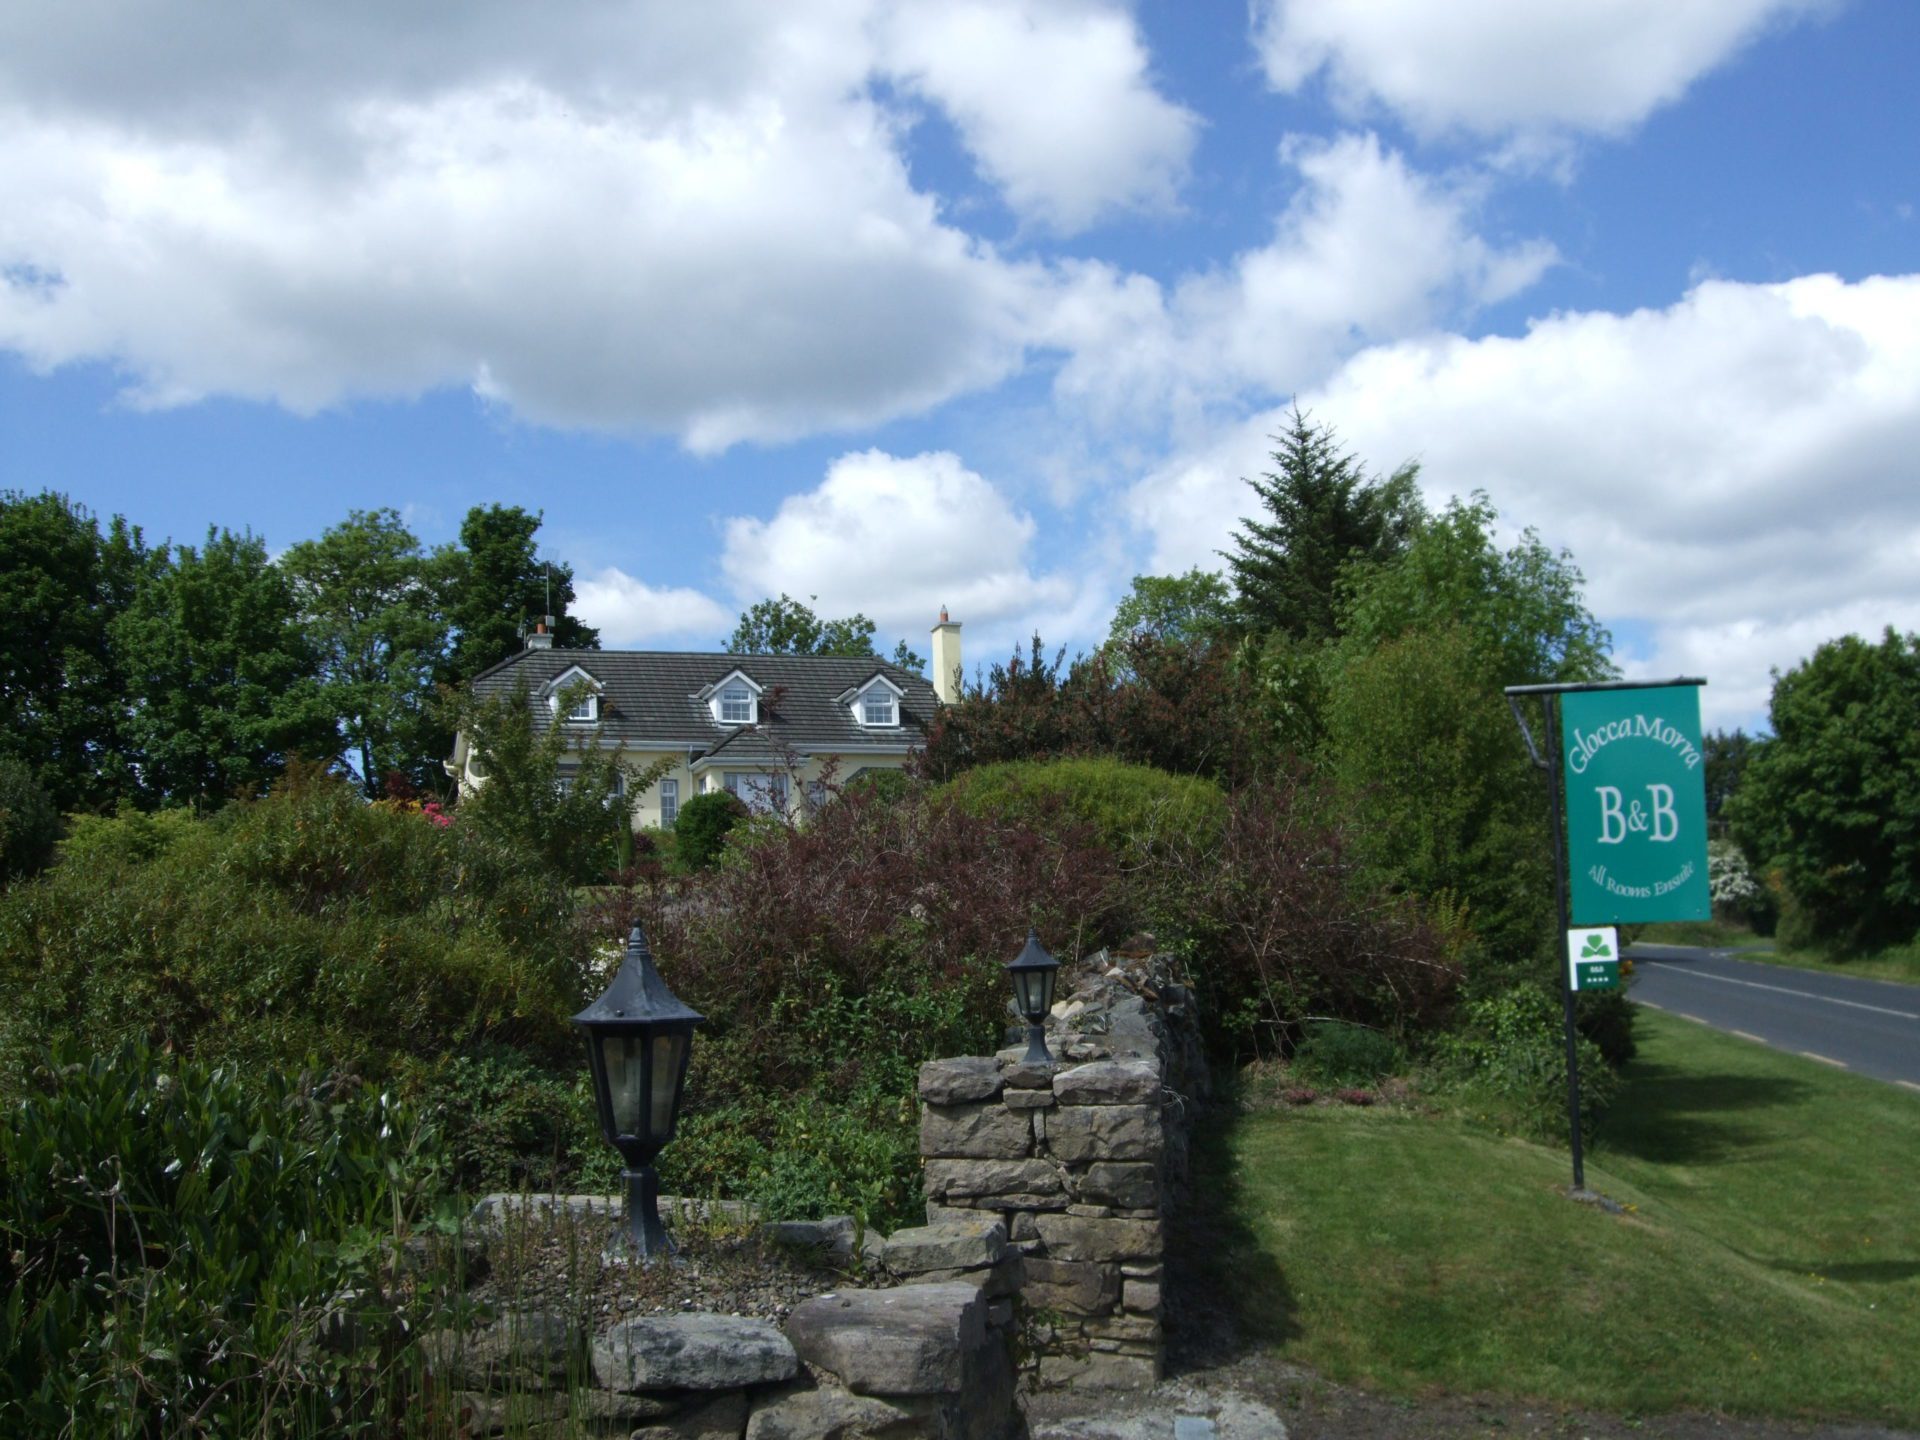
{"points": [[1734, 472], [631, 614], [694, 220], [1054, 101], [896, 538], [1496, 67], [1368, 249]]}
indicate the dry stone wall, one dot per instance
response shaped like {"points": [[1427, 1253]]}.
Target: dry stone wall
{"points": [[1054, 1182]]}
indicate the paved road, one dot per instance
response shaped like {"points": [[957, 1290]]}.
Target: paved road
{"points": [[1871, 1027]]}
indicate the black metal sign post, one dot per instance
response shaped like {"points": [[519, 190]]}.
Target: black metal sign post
{"points": [[1550, 764]]}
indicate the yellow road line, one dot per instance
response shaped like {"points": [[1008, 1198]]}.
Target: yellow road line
{"points": [[1908, 1083], [1745, 1035], [1825, 1060]]}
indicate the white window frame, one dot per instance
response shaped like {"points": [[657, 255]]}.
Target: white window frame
{"points": [[587, 712], [761, 791], [735, 693], [669, 803], [877, 691]]}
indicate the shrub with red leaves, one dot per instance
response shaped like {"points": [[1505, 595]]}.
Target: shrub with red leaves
{"points": [[884, 911], [1286, 926]]}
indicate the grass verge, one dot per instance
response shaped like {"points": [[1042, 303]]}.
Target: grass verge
{"points": [[1769, 1263]]}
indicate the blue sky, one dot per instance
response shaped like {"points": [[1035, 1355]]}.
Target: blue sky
{"points": [[989, 303]]}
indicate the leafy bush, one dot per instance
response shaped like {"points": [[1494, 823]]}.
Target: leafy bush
{"points": [[128, 837], [1333, 1053], [1283, 922], [183, 1253], [1133, 810], [29, 823], [702, 827], [305, 923], [1508, 1053]]}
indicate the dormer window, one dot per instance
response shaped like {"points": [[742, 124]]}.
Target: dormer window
{"points": [[875, 705], [734, 700], [574, 698]]}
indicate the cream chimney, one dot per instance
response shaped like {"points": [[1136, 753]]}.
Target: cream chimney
{"points": [[946, 659]]}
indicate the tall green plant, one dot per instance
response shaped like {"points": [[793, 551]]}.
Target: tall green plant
{"points": [[549, 790], [185, 1252]]}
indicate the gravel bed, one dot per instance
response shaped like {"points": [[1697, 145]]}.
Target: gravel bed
{"points": [[569, 1264]]}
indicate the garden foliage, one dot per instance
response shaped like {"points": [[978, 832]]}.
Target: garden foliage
{"points": [[308, 923], [184, 1252], [29, 824]]}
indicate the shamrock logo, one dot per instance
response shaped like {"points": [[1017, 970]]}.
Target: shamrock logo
{"points": [[1596, 949]]}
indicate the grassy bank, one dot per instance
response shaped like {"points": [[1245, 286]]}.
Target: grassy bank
{"points": [[1901, 962], [1769, 1263]]}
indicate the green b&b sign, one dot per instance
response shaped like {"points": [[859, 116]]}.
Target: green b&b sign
{"points": [[1636, 805]]}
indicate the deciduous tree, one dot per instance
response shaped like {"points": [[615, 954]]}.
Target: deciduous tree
{"points": [[222, 684], [1833, 797], [368, 604]]}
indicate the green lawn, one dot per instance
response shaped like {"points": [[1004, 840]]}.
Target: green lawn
{"points": [[1770, 1261]]}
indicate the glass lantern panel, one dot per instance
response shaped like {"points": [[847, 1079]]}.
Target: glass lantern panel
{"points": [[669, 1052], [626, 1075], [1030, 989]]}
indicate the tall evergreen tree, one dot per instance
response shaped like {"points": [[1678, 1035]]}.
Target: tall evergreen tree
{"points": [[222, 684], [495, 586], [1323, 512]]}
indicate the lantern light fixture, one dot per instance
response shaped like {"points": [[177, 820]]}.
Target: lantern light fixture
{"points": [[639, 1038], [1033, 972]]}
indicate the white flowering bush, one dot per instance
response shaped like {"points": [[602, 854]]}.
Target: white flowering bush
{"points": [[1729, 878]]}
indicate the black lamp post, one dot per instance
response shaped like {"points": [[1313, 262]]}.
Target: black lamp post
{"points": [[639, 1036], [1032, 972]]}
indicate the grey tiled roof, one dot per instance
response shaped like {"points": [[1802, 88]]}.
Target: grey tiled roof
{"points": [[651, 697]]}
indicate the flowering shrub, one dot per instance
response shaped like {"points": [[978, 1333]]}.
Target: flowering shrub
{"points": [[1729, 878]]}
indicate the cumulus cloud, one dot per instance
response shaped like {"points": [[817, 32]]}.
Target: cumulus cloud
{"points": [[695, 220], [897, 538], [633, 615], [1054, 101], [1733, 473], [1368, 249], [1495, 68]]}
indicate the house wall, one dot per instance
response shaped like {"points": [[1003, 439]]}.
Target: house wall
{"points": [[708, 776]]}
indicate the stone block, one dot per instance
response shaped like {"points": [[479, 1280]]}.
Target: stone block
{"points": [[1109, 1082], [1140, 1328], [915, 1340], [1069, 1237], [826, 1412], [1096, 1370], [1000, 1279], [1125, 1184], [1141, 1296], [1028, 1100], [692, 1352], [1081, 1134], [1018, 1075], [987, 1131], [716, 1417], [977, 1181], [1074, 1287], [961, 1080], [1142, 1269], [1096, 1212], [479, 1412], [971, 1245], [938, 1214]]}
